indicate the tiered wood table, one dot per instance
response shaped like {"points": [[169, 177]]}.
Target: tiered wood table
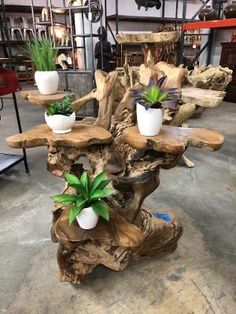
{"points": [[133, 162], [35, 98]]}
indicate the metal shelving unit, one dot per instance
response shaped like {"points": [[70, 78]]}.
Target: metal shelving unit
{"points": [[86, 46], [128, 18], [211, 25], [187, 24], [69, 24]]}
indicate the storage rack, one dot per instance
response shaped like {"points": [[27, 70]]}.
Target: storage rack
{"points": [[187, 24], [7, 43], [69, 24], [211, 25], [128, 18]]}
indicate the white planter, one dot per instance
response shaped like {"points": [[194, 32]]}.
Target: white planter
{"points": [[59, 123], [87, 218], [47, 82], [149, 121]]}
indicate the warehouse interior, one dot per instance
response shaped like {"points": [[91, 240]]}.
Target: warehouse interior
{"points": [[164, 236]]}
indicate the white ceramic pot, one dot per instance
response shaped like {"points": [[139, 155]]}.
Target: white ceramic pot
{"points": [[87, 218], [47, 82], [149, 121], [59, 123]]}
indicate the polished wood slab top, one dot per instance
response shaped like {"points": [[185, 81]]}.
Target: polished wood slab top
{"points": [[81, 136], [35, 98], [174, 140]]}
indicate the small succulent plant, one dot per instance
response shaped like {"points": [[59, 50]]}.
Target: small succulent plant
{"points": [[61, 107], [88, 193], [155, 96]]}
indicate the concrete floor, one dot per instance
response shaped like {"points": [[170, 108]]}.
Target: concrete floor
{"points": [[200, 277]]}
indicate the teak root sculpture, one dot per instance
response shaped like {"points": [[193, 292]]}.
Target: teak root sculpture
{"points": [[112, 143]]}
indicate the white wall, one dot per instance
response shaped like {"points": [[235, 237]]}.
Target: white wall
{"points": [[129, 7]]}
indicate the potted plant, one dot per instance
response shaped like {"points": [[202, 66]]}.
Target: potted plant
{"points": [[86, 205], [44, 56], [59, 116], [150, 102]]}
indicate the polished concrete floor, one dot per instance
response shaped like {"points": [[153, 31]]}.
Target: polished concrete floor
{"points": [[200, 277]]}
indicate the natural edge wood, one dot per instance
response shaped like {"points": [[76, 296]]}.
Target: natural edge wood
{"points": [[174, 140], [81, 136], [132, 162], [161, 37], [35, 98], [202, 97]]}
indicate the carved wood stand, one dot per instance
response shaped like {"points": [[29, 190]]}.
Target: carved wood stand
{"points": [[133, 162]]}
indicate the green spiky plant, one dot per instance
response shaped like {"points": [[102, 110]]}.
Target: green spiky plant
{"points": [[155, 96], [89, 193], [61, 107], [42, 54]]}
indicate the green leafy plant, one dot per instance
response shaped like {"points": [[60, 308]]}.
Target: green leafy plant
{"points": [[63, 107], [42, 54], [155, 96], [89, 193]]}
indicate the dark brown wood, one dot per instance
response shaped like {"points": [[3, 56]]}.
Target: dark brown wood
{"points": [[228, 59], [144, 19], [22, 8]]}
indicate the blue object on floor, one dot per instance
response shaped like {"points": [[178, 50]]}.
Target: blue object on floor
{"points": [[163, 216]]}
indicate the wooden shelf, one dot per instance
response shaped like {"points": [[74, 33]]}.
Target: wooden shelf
{"points": [[86, 35], [49, 23], [12, 42], [74, 9], [21, 8], [46, 23], [226, 23], [146, 19], [77, 71], [63, 47]]}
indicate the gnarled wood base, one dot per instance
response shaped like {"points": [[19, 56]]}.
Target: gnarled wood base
{"points": [[78, 256], [113, 144]]}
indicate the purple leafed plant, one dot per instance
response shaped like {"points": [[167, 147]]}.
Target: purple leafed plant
{"points": [[156, 96]]}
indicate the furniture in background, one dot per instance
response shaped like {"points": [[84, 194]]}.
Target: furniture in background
{"points": [[9, 85], [228, 59]]}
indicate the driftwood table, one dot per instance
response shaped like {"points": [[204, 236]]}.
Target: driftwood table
{"points": [[35, 98], [133, 163]]}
